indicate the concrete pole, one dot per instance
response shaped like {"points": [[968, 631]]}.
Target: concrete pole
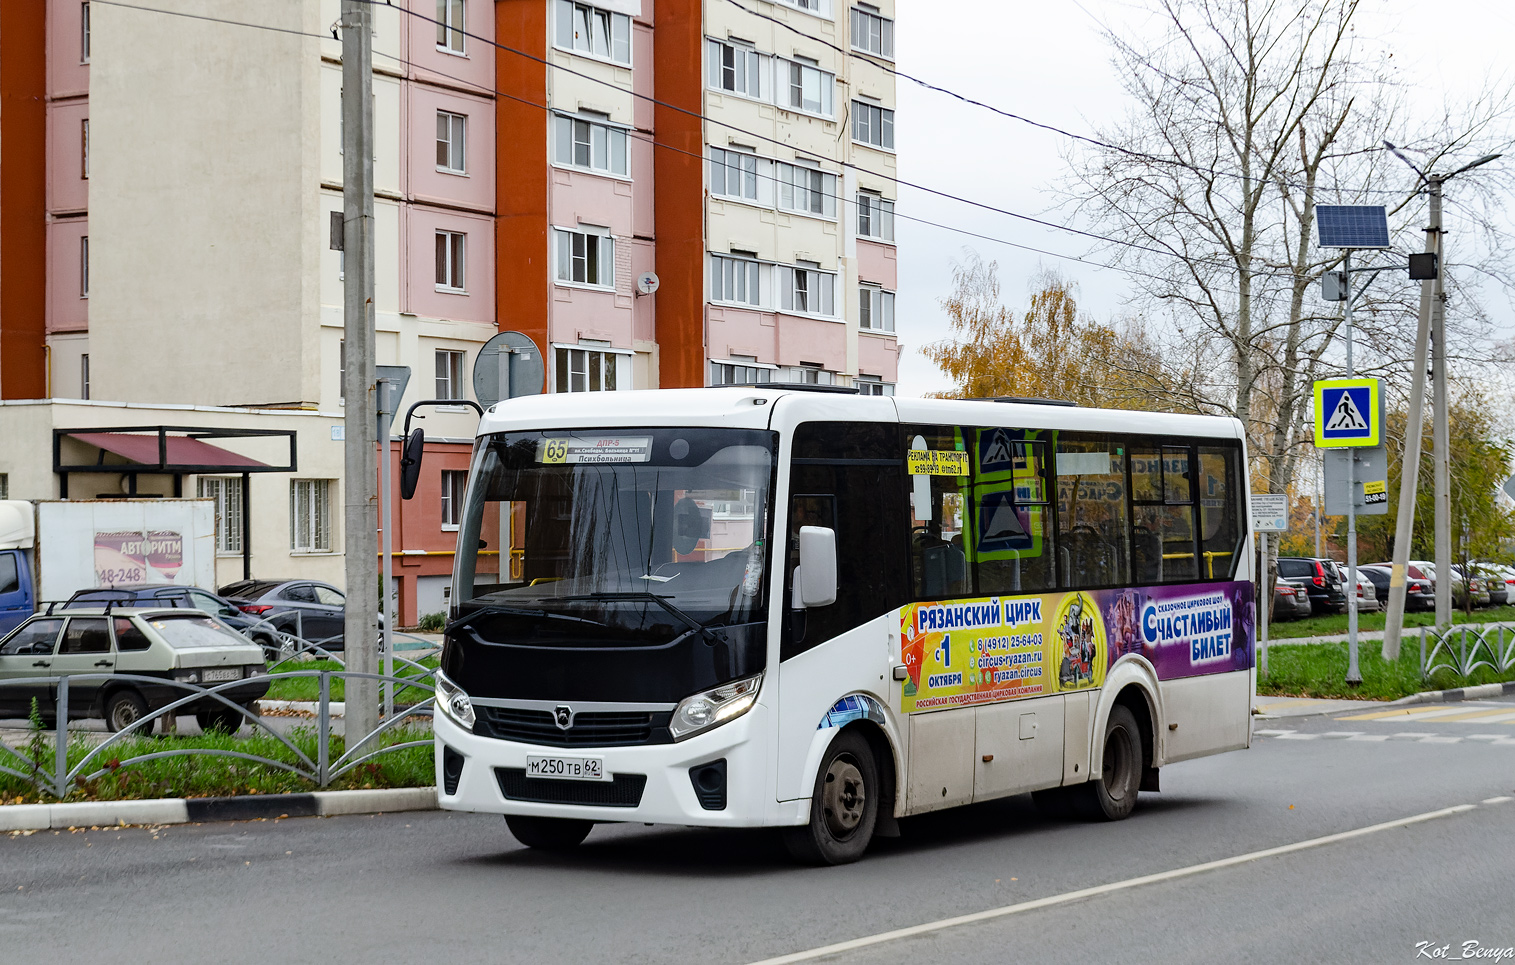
{"points": [[387, 400], [360, 628], [1409, 465], [1354, 673], [1441, 433]]}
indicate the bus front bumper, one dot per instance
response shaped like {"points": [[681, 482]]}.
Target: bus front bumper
{"points": [[651, 783]]}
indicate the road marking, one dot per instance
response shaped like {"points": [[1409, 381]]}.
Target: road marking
{"points": [[812, 954], [1418, 713], [1271, 733], [1413, 733], [1496, 800], [1436, 739], [1297, 737], [1487, 716], [1369, 737], [1342, 733]]}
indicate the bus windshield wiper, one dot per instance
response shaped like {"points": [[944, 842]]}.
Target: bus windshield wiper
{"points": [[658, 598], [497, 609]]}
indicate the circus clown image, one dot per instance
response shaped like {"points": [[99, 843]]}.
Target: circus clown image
{"points": [[1081, 634]]}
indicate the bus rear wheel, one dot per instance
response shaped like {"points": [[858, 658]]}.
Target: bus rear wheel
{"points": [[843, 806], [548, 834], [1112, 795]]}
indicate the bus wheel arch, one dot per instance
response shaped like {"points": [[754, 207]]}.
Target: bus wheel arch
{"points": [[886, 759], [1136, 700], [846, 800]]}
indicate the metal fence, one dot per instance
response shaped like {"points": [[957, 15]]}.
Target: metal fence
{"points": [[1466, 648], [58, 778]]}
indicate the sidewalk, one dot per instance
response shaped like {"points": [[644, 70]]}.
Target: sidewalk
{"points": [[1270, 708], [1408, 635]]}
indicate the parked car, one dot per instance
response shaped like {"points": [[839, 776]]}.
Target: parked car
{"points": [[252, 627], [1419, 594], [1327, 593], [309, 609], [1504, 574], [167, 643], [1470, 585], [1492, 581], [1367, 594], [1291, 600]]}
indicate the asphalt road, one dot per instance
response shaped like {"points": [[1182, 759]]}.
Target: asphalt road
{"points": [[457, 888]]}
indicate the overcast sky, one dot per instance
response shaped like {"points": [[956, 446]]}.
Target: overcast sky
{"points": [[1047, 61]]}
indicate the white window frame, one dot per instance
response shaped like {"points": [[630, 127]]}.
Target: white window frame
{"points": [[448, 372], [818, 286], [875, 217], [452, 261], [825, 84], [863, 122], [452, 23], [312, 498], [874, 27], [226, 493], [756, 68], [604, 138], [876, 305], [805, 375], [747, 276], [572, 246], [616, 42], [816, 8], [84, 376], [452, 148], [739, 370], [84, 32], [602, 363], [797, 191], [84, 151], [751, 173], [84, 266], [872, 385], [454, 485]]}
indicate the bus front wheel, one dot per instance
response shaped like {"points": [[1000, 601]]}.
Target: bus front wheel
{"points": [[1112, 795], [843, 806]]}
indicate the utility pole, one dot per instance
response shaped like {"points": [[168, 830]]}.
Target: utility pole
{"points": [[360, 628], [1440, 431]]}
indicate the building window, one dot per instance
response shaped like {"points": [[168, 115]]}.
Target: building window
{"points": [[586, 258], [451, 259], [821, 7], [875, 216], [452, 133], [736, 280], [587, 370], [806, 374], [733, 174], [590, 30], [805, 189], [739, 370], [875, 309], [84, 376], [738, 69], [5, 486], [450, 26], [872, 33], [310, 515], [453, 483], [872, 385], [591, 142], [226, 491], [84, 33], [342, 372], [809, 88], [449, 374], [872, 124], [84, 267], [84, 149], [803, 288]]}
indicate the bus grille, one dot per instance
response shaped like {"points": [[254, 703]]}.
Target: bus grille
{"points": [[590, 728], [622, 791]]}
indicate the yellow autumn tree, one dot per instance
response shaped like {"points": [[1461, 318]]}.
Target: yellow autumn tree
{"points": [[1048, 352]]}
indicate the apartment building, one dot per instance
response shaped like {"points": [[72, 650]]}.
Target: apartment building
{"points": [[661, 193]]}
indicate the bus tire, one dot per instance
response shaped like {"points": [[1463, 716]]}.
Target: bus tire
{"points": [[1112, 795], [548, 834], [843, 805]]}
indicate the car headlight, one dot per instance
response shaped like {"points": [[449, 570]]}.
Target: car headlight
{"points": [[715, 706], [454, 702]]}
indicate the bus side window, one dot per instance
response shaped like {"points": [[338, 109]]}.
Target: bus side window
{"points": [[1010, 519], [1220, 529], [938, 550], [849, 476], [1091, 510]]}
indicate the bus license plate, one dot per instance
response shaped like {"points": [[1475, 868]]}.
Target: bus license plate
{"points": [[567, 768]]}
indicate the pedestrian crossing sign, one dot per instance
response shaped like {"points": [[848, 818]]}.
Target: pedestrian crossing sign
{"points": [[1348, 412]]}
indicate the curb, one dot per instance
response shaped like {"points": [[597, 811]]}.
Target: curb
{"points": [[247, 807], [1459, 693], [338, 708]]}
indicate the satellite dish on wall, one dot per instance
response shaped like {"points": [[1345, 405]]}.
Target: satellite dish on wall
{"points": [[510, 360], [647, 283]]}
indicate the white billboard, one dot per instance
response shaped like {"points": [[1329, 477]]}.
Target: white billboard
{"points": [[111, 542]]}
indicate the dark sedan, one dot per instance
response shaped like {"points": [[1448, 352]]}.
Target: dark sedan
{"points": [[1419, 594], [309, 609]]}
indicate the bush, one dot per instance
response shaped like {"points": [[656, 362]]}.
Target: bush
{"points": [[433, 622]]}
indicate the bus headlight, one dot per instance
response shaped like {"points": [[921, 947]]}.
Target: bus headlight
{"points": [[715, 706], [454, 702]]}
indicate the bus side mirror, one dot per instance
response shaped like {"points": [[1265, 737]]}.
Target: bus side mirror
{"points": [[410, 463], [815, 576]]}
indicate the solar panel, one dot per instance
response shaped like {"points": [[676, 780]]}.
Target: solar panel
{"points": [[1352, 225]]}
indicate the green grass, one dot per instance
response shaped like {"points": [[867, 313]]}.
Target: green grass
{"points": [[205, 775], [1332, 624], [309, 688], [1320, 670]]}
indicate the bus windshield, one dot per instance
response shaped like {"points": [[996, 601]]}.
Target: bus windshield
{"points": [[616, 538]]}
